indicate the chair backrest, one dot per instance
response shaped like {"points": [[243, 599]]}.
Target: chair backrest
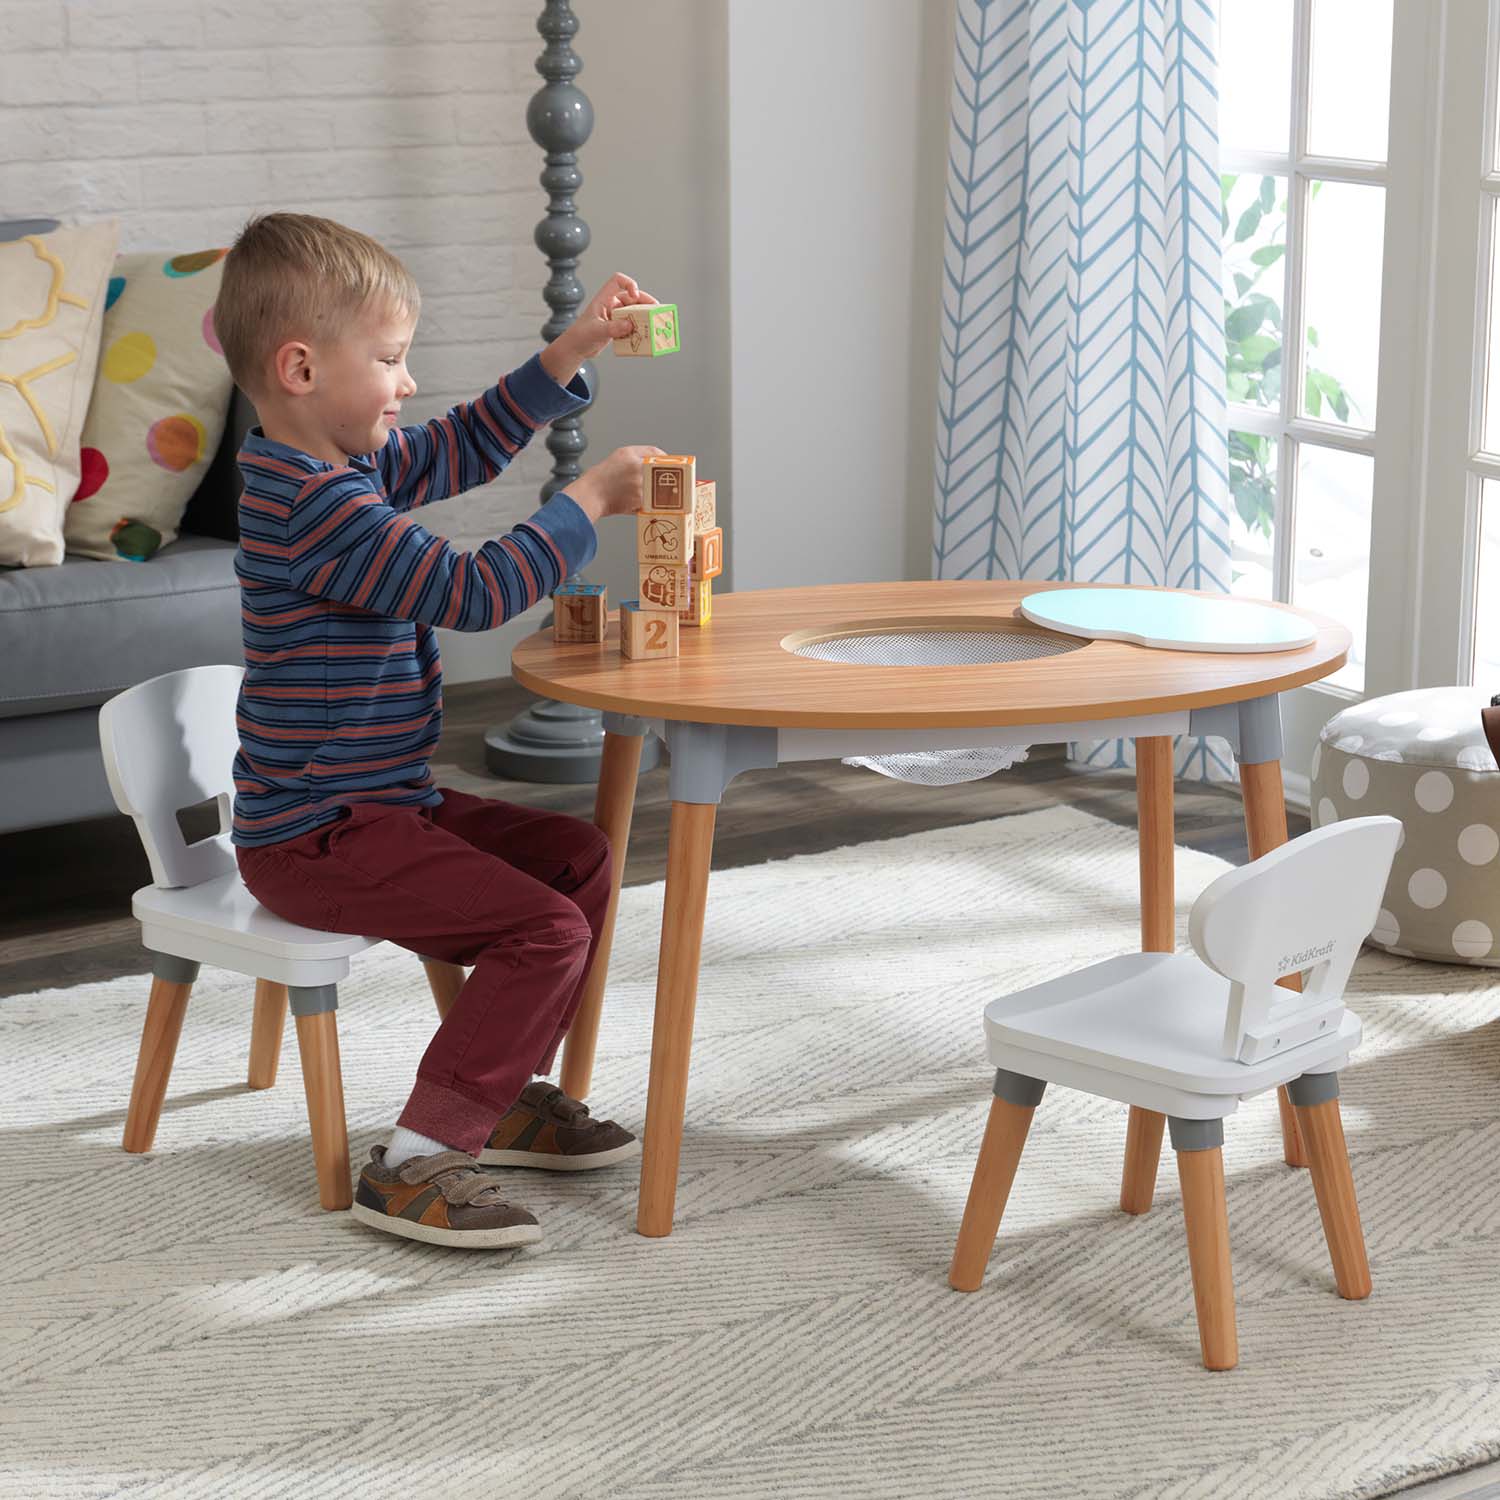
{"points": [[1305, 906], [170, 743]]}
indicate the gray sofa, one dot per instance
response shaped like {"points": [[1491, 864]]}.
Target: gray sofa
{"points": [[72, 636]]}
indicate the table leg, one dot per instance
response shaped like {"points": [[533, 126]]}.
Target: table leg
{"points": [[1154, 819], [614, 806], [1265, 829], [689, 852]]}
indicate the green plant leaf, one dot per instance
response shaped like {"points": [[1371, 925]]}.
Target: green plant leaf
{"points": [[1312, 396], [1243, 321], [1255, 348], [1249, 223], [1267, 192], [1242, 283], [1268, 255]]}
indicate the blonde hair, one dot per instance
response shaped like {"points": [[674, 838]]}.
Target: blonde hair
{"points": [[296, 275]]}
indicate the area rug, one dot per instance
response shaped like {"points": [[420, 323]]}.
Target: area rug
{"points": [[189, 1323]]}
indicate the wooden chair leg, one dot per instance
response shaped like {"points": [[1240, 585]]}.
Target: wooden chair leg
{"points": [[1156, 842], [445, 981], [614, 805], [265, 1032], [318, 1043], [1142, 1158], [1333, 1183], [153, 1064], [1265, 830], [1200, 1169], [690, 845], [994, 1172]]}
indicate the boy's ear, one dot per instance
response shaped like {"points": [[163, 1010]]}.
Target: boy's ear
{"points": [[292, 369]]}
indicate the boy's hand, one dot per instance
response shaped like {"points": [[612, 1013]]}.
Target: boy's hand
{"points": [[593, 330], [613, 486]]}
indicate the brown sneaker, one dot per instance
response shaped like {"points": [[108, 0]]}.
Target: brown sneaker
{"points": [[441, 1199], [545, 1128]]}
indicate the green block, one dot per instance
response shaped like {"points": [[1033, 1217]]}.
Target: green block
{"points": [[666, 336]]}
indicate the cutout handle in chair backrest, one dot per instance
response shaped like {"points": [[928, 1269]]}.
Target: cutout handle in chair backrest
{"points": [[1306, 906], [170, 743]]}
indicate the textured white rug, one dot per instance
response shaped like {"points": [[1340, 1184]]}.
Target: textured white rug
{"points": [[190, 1324]]}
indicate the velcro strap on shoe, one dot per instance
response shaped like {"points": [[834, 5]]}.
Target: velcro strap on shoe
{"points": [[549, 1100]]}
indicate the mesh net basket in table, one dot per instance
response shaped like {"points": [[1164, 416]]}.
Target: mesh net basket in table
{"points": [[939, 648]]}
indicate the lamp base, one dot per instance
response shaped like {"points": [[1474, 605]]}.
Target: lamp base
{"points": [[555, 742]]}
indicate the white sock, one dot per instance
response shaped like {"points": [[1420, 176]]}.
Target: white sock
{"points": [[408, 1143]]}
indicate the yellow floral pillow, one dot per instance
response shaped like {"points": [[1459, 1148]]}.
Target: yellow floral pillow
{"points": [[160, 400], [52, 291]]}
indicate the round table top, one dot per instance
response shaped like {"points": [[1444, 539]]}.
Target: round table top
{"points": [[737, 669]]}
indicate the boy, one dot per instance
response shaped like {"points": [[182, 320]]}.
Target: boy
{"points": [[337, 822]]}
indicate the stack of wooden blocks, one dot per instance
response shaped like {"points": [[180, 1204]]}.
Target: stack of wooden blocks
{"points": [[679, 543], [679, 552]]}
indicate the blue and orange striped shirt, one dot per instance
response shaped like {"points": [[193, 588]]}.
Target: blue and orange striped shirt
{"points": [[340, 590]]}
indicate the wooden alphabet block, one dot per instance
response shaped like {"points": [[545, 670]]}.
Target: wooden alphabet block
{"points": [[578, 612], [705, 505], [654, 329], [708, 554], [663, 587], [664, 537], [699, 606], [647, 633], [667, 482]]}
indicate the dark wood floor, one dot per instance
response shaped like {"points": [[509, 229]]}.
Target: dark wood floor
{"points": [[65, 891]]}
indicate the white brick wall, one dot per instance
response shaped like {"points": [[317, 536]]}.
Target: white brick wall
{"points": [[403, 118]]}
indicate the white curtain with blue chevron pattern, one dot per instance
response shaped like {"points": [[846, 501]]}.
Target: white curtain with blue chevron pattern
{"points": [[1081, 430]]}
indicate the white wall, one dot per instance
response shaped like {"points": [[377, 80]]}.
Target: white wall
{"points": [[837, 148]]}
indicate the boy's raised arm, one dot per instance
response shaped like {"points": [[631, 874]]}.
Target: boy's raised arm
{"points": [[343, 543], [476, 439]]}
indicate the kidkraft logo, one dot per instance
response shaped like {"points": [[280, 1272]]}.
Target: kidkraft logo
{"points": [[1304, 958]]}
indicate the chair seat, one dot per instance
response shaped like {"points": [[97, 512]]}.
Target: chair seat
{"points": [[1152, 1019], [223, 914]]}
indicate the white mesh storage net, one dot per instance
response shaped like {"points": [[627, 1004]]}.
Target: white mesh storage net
{"points": [[939, 648]]}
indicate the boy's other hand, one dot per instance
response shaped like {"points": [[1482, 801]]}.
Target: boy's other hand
{"points": [[613, 486], [593, 330]]}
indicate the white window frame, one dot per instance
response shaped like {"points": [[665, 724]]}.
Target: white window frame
{"points": [[1429, 466], [1433, 332]]}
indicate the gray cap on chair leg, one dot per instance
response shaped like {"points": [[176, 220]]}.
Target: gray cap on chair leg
{"points": [[1313, 1088], [1195, 1135], [1017, 1088]]}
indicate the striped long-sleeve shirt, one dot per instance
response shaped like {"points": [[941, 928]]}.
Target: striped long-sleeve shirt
{"points": [[340, 589]]}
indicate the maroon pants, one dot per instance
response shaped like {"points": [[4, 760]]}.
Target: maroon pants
{"points": [[517, 892]]}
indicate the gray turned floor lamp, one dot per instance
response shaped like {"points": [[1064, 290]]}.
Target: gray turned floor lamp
{"points": [[551, 741]]}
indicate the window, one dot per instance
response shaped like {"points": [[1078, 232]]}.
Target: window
{"points": [[1361, 234], [1304, 94], [1483, 467]]}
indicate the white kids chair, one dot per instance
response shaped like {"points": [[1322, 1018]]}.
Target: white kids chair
{"points": [[169, 743], [1191, 1034]]}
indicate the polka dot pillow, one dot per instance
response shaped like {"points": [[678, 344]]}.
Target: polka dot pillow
{"points": [[159, 404]]}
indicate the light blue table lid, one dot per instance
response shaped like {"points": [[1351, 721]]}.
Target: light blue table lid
{"points": [[1171, 621]]}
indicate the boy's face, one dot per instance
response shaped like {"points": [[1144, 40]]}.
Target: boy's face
{"points": [[363, 379]]}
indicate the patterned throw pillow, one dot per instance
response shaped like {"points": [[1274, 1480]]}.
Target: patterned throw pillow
{"points": [[52, 293], [158, 409]]}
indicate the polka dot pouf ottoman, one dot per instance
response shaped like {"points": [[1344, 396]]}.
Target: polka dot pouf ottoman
{"points": [[1422, 757]]}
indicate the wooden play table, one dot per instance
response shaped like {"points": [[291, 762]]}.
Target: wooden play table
{"points": [[739, 698]]}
